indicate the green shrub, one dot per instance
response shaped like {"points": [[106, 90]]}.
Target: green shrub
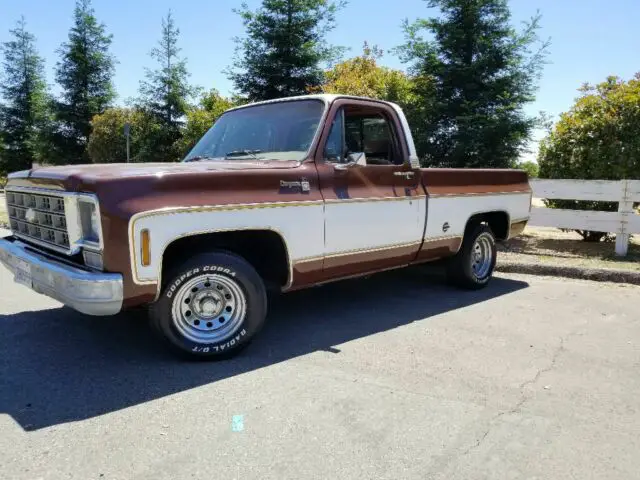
{"points": [[598, 139]]}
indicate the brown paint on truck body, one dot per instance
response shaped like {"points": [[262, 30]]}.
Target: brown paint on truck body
{"points": [[124, 190]]}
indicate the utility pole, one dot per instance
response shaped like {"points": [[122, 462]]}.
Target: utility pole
{"points": [[127, 134]]}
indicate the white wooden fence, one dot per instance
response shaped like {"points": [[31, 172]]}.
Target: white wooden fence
{"points": [[623, 222]]}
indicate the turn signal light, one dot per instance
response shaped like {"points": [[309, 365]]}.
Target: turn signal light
{"points": [[145, 247]]}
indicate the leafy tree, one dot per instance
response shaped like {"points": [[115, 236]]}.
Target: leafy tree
{"points": [[201, 117], [362, 76], [107, 143], [599, 138], [85, 73], [285, 47], [24, 114], [166, 91], [484, 73], [531, 167]]}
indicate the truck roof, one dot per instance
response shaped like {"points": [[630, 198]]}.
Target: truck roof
{"points": [[325, 97]]}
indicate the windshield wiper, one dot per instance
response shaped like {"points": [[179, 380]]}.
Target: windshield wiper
{"points": [[197, 158], [243, 153]]}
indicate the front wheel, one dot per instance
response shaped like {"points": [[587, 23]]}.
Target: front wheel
{"points": [[211, 306], [472, 267]]}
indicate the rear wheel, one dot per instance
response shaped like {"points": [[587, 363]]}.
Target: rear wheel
{"points": [[472, 267], [211, 306]]}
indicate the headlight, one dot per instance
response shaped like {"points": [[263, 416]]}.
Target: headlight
{"points": [[89, 221]]}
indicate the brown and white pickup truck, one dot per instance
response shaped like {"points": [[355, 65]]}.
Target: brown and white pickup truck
{"points": [[280, 195]]}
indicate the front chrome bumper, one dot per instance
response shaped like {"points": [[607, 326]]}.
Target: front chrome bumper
{"points": [[92, 293]]}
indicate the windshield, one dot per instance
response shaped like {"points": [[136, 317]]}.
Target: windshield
{"points": [[275, 131]]}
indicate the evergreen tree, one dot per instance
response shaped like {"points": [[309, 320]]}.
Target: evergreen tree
{"points": [[24, 112], [166, 91], [285, 47], [485, 72], [85, 74]]}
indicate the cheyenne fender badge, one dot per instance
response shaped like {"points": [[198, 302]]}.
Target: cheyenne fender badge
{"points": [[303, 185]]}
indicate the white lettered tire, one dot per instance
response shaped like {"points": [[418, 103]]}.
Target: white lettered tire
{"points": [[211, 306]]}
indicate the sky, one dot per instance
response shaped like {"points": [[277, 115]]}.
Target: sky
{"points": [[590, 39]]}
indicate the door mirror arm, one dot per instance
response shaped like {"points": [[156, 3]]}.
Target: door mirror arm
{"points": [[343, 166], [353, 160]]}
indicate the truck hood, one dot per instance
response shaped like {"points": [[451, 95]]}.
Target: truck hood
{"points": [[77, 177]]}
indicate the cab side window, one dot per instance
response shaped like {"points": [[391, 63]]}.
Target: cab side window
{"points": [[371, 133], [365, 131]]}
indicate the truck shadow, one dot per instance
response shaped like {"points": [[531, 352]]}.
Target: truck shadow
{"points": [[60, 366]]}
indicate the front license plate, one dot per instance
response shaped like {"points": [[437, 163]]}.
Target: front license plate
{"points": [[23, 273]]}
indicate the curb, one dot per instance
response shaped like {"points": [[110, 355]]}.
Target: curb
{"points": [[583, 273]]}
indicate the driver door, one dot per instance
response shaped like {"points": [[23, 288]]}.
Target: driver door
{"points": [[374, 201]]}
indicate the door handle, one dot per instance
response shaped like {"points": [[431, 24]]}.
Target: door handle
{"points": [[406, 175]]}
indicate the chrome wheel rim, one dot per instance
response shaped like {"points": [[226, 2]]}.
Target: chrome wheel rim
{"points": [[482, 256], [209, 308]]}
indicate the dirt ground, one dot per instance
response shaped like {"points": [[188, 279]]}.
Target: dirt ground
{"points": [[551, 245]]}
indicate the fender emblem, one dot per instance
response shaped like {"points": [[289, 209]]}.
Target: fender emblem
{"points": [[445, 226], [303, 184]]}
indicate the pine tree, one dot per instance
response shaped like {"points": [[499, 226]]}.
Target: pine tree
{"points": [[166, 91], [85, 74], [24, 112], [285, 47], [485, 72]]}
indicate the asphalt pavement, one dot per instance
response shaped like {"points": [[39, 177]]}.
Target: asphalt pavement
{"points": [[393, 377]]}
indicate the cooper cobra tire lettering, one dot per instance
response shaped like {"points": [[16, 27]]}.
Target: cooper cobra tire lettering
{"points": [[208, 268], [214, 268]]}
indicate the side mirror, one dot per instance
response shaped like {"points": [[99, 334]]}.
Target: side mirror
{"points": [[353, 160]]}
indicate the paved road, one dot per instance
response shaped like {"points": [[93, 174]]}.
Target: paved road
{"points": [[395, 377]]}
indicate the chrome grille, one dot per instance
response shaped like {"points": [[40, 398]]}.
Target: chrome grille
{"points": [[39, 217]]}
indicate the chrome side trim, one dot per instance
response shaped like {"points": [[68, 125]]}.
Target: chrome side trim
{"points": [[357, 252], [374, 199], [484, 194], [378, 249], [91, 293], [359, 275], [443, 237]]}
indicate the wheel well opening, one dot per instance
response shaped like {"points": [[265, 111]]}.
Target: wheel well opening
{"points": [[265, 250], [497, 221]]}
